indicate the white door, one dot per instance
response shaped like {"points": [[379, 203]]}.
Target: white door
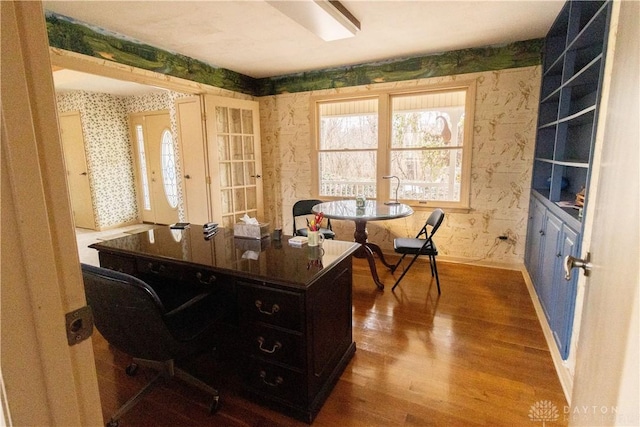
{"points": [[156, 167], [76, 163], [235, 161], [191, 139], [47, 381], [606, 380]]}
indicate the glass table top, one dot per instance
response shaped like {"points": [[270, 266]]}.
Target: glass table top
{"points": [[372, 210]]}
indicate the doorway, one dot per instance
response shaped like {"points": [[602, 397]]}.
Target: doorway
{"points": [[156, 170]]}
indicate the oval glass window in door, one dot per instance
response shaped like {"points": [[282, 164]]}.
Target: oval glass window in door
{"points": [[169, 172]]}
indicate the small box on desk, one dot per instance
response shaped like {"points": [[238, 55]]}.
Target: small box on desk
{"points": [[251, 231]]}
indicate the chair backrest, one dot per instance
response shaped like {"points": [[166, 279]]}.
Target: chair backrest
{"points": [[128, 314], [302, 208], [434, 221]]}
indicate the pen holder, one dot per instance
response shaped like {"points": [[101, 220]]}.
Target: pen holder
{"points": [[314, 238]]}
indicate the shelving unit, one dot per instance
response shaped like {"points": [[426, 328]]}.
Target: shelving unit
{"points": [[570, 93], [573, 66]]}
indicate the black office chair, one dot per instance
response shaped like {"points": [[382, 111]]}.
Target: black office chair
{"points": [[132, 318], [422, 244], [303, 208]]}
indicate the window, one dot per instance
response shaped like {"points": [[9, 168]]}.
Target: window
{"points": [[423, 137], [169, 173], [146, 199]]}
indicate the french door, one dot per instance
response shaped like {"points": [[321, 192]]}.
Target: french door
{"points": [[155, 167], [234, 158]]}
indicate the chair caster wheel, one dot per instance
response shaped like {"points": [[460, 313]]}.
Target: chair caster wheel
{"points": [[131, 370], [215, 405], [112, 423]]}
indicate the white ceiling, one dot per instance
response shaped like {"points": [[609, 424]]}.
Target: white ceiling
{"points": [[253, 38]]}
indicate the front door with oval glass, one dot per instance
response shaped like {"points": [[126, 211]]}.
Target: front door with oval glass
{"points": [[155, 167]]}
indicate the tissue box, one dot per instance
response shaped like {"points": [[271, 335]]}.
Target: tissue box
{"points": [[251, 231]]}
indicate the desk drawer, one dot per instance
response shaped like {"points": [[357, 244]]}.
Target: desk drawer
{"points": [[272, 306], [118, 263], [177, 272], [277, 381], [275, 345]]}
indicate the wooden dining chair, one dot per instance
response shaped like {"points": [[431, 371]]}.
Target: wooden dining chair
{"points": [[422, 244]]}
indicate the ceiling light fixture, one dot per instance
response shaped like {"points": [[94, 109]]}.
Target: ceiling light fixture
{"points": [[328, 19]]}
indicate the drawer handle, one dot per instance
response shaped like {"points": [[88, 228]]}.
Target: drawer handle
{"points": [[276, 383], [212, 279], [276, 346], [160, 269], [274, 308]]}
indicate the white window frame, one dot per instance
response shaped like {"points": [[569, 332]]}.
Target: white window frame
{"points": [[385, 188]]}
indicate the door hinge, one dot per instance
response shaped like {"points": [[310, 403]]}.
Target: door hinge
{"points": [[79, 325]]}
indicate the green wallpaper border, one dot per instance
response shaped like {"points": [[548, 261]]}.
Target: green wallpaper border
{"points": [[69, 34]]}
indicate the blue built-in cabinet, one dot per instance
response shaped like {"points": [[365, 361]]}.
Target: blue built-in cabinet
{"points": [[573, 67]]}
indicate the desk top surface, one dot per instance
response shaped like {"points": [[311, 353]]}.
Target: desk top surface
{"points": [[372, 210], [275, 261]]}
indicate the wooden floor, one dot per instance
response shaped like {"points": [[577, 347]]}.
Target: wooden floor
{"points": [[475, 355]]}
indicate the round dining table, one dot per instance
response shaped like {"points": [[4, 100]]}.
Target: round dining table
{"points": [[371, 211]]}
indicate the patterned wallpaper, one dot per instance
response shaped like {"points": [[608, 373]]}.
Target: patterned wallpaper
{"points": [[108, 148], [503, 146]]}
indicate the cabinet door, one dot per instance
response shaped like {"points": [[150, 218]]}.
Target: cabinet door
{"points": [[562, 320], [534, 240], [550, 254]]}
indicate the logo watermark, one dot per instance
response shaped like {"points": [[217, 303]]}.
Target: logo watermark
{"points": [[544, 411]]}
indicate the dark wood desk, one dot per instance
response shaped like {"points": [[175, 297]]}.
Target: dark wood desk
{"points": [[290, 308], [371, 211]]}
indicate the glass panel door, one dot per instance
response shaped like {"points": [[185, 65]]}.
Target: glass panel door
{"points": [[233, 127]]}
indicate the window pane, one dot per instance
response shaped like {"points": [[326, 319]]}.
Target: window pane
{"points": [[238, 200], [227, 204], [350, 124], [238, 174], [247, 121], [224, 147], [249, 153], [235, 124], [169, 173], [222, 122], [146, 200], [348, 174], [427, 120], [225, 175], [250, 173], [236, 147], [427, 174], [252, 199]]}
